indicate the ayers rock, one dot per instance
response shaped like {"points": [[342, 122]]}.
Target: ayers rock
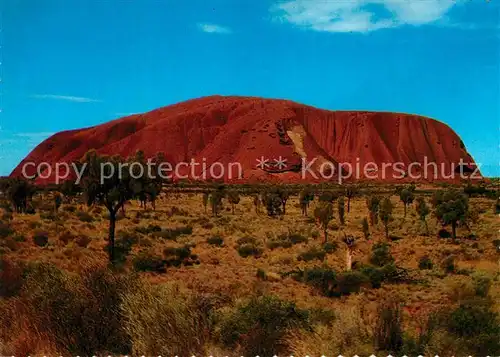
{"points": [[231, 129]]}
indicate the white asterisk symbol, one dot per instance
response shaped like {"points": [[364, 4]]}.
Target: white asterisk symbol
{"points": [[280, 163], [262, 163]]}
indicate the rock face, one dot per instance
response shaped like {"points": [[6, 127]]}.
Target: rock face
{"points": [[309, 144]]}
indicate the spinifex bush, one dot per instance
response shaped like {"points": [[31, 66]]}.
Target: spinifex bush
{"points": [[150, 263], [216, 240], [41, 238], [78, 313], [174, 233], [425, 263], [163, 321], [381, 255], [259, 327], [312, 254]]}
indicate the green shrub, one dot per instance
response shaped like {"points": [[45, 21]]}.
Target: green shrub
{"points": [[350, 282], [330, 247], [278, 243], [259, 327], [148, 263], [41, 239], [5, 230], [246, 240], [286, 240], [312, 254], [123, 246], [425, 263], [261, 274], [84, 216], [381, 255], [476, 327], [152, 228], [177, 256], [216, 240], [174, 233], [375, 275], [482, 284], [296, 238], [496, 244], [78, 312], [322, 278], [443, 233], [448, 264], [247, 250], [19, 238]]}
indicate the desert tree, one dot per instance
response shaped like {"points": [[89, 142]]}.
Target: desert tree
{"points": [[280, 192], [257, 201], [205, 197], [306, 195], [69, 190], [365, 227], [423, 211], [57, 201], [284, 195], [147, 183], [406, 196], [107, 181], [273, 204], [324, 214], [341, 208], [234, 198], [327, 196], [19, 192], [385, 213], [373, 204], [450, 207], [215, 199], [350, 192]]}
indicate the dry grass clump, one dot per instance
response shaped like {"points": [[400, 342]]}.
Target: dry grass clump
{"points": [[163, 320]]}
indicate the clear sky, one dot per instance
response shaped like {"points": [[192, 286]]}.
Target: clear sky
{"points": [[68, 64]]}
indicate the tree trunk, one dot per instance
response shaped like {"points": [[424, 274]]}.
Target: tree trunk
{"points": [[387, 231], [112, 226], [326, 235], [348, 260], [232, 206], [454, 230], [405, 209], [284, 207], [348, 204]]}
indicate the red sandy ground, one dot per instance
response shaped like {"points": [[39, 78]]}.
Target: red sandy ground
{"points": [[242, 129]]}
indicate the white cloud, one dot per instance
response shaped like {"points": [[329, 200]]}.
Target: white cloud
{"points": [[360, 15], [35, 135], [125, 114], [65, 97], [213, 28]]}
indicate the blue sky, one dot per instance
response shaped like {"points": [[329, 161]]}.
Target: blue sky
{"points": [[71, 63]]}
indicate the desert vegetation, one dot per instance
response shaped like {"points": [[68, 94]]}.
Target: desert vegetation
{"points": [[138, 267]]}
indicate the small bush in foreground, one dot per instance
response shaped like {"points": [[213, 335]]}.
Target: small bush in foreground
{"points": [[259, 327]]}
